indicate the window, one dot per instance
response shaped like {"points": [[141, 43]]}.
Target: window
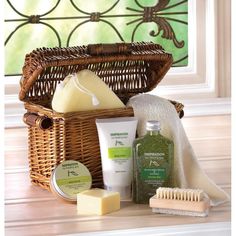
{"points": [[208, 72], [201, 29], [75, 22]]}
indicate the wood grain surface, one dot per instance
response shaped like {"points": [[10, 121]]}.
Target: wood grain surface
{"points": [[30, 210]]}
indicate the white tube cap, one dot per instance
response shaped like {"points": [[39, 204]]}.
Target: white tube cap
{"points": [[125, 191]]}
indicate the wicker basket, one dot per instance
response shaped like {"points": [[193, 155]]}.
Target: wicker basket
{"points": [[128, 69]]}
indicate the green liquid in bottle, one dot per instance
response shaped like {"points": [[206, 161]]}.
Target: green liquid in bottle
{"points": [[153, 156]]}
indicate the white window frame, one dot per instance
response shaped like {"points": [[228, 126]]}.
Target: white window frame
{"points": [[206, 75], [202, 78]]}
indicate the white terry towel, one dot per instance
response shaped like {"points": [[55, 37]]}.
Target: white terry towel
{"points": [[187, 171]]}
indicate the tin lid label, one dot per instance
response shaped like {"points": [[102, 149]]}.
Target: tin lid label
{"points": [[69, 178]]}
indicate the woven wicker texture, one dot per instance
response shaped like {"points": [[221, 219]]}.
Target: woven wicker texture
{"points": [[128, 69], [137, 70]]}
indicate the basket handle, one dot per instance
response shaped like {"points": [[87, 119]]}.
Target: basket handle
{"points": [[106, 49], [179, 107], [35, 120]]}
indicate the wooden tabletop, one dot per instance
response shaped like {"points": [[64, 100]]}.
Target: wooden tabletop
{"points": [[30, 210]]}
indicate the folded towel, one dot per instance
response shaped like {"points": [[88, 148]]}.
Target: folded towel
{"points": [[187, 171]]}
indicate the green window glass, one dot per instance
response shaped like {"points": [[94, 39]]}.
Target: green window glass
{"points": [[43, 23]]}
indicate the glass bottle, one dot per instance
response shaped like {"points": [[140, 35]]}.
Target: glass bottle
{"points": [[153, 156]]}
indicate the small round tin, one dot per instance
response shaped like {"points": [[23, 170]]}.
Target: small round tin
{"points": [[69, 178]]}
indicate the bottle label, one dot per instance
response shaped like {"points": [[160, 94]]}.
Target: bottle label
{"points": [[153, 174], [119, 152], [154, 167]]}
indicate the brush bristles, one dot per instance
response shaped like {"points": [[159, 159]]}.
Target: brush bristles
{"points": [[195, 195], [178, 201]]}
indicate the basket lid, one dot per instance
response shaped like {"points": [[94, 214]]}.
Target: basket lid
{"points": [[127, 68]]}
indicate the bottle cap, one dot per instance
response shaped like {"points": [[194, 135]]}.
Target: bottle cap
{"points": [[153, 125], [69, 178], [125, 191]]}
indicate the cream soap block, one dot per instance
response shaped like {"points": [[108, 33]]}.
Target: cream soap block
{"points": [[97, 202], [82, 92]]}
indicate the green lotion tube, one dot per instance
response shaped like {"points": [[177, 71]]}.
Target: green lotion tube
{"points": [[116, 136]]}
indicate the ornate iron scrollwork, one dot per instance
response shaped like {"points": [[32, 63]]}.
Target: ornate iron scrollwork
{"points": [[153, 14], [32, 19], [134, 14]]}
